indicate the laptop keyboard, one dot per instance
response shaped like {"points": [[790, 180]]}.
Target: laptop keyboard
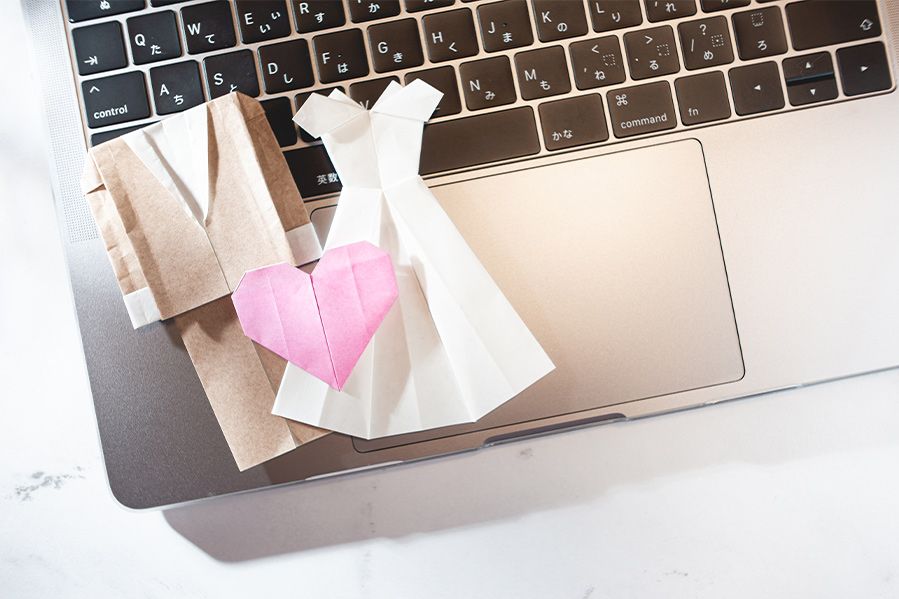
{"points": [[520, 77]]}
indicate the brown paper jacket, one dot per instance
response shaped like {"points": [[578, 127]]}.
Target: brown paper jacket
{"points": [[169, 264]]}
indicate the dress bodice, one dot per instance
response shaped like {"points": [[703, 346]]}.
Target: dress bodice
{"points": [[374, 148]]}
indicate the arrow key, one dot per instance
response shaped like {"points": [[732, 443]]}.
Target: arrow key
{"points": [[864, 69], [450, 35], [810, 79], [756, 88], [597, 62], [99, 48]]}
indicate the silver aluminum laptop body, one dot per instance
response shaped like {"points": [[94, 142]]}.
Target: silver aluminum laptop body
{"points": [[660, 273]]}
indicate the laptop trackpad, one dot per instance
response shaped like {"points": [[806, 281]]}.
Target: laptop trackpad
{"points": [[615, 264]]}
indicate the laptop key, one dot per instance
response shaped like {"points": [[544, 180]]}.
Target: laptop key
{"points": [[367, 92], [607, 15], [479, 139], [286, 66], [759, 33], [313, 171], [176, 87], [573, 122], [115, 99], [154, 37], [99, 48], [705, 43], [597, 62], [369, 10], [702, 98], [641, 109], [315, 15], [395, 45], [262, 20], [208, 26], [864, 69], [450, 35], [84, 10], [504, 25], [542, 73], [443, 79], [810, 79], [301, 99], [231, 72], [487, 83], [559, 19], [419, 5], [104, 136], [651, 52], [756, 88], [716, 5], [663, 10], [819, 23], [279, 113], [340, 56]]}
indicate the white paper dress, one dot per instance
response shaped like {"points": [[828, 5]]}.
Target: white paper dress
{"points": [[452, 348]]}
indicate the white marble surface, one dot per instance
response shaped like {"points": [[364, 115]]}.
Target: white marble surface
{"points": [[789, 495]]}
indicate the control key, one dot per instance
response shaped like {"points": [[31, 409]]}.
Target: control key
{"points": [[115, 99]]}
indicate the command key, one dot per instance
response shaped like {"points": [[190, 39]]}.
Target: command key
{"points": [[641, 109]]}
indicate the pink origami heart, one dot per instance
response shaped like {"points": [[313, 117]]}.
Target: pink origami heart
{"points": [[321, 322]]}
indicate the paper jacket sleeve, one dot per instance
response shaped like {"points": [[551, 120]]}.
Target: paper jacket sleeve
{"points": [[138, 299]]}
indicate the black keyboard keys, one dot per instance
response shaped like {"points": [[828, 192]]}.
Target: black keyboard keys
{"points": [[597, 62], [312, 171], [99, 48], [573, 122], [443, 79], [759, 33], [395, 45], [340, 56], [810, 78], [819, 23], [286, 66], [83, 10], [369, 10], [479, 139], [662, 10], [559, 19], [487, 83], [864, 69], [716, 5], [261, 20], [115, 99], [419, 5], [542, 73], [756, 88], [231, 72], [176, 87], [315, 15], [279, 113], [651, 52], [154, 37], [705, 43], [450, 35], [607, 15], [505, 24], [208, 26], [702, 98], [367, 92], [641, 109]]}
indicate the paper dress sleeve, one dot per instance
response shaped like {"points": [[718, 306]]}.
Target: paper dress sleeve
{"points": [[416, 101]]}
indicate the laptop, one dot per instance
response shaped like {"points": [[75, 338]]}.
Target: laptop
{"points": [[688, 201]]}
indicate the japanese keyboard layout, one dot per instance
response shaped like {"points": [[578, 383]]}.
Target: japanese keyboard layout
{"points": [[519, 77]]}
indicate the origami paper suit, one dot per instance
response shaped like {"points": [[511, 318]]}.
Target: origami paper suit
{"points": [[186, 206], [451, 348]]}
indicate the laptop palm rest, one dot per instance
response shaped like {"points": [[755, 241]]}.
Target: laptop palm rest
{"points": [[615, 264]]}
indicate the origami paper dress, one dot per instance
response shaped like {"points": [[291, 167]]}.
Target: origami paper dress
{"points": [[452, 348]]}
